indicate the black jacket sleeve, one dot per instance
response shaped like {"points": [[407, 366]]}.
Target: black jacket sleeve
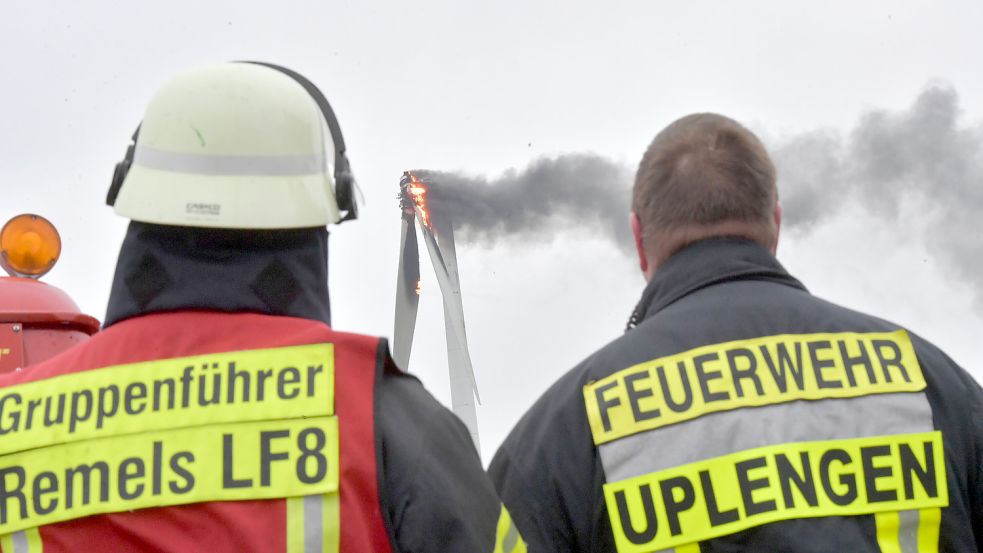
{"points": [[549, 476], [977, 478], [957, 407], [435, 495]]}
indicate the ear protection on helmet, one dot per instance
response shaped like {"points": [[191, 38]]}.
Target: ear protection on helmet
{"points": [[343, 178], [122, 168]]}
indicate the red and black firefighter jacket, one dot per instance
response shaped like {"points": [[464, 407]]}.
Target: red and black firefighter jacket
{"points": [[218, 414], [741, 413]]}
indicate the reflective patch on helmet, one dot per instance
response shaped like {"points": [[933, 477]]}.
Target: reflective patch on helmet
{"points": [[229, 165]]}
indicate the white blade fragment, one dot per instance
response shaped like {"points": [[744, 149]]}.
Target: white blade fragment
{"points": [[407, 296], [464, 389], [453, 304]]}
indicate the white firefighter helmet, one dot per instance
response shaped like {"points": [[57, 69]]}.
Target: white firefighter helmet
{"points": [[236, 145]]}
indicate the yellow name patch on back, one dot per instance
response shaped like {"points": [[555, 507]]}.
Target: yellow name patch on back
{"points": [[252, 424], [745, 373], [249, 385], [253, 460], [727, 494]]}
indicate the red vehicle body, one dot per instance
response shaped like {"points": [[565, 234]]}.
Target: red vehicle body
{"points": [[37, 320]]}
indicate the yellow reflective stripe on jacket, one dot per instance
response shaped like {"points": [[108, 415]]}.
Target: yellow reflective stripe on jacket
{"points": [[23, 541], [909, 531], [721, 496], [685, 548], [733, 431], [748, 373], [929, 525], [313, 524], [507, 538]]}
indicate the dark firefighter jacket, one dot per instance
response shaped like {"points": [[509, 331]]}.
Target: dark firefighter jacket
{"points": [[741, 413], [179, 291]]}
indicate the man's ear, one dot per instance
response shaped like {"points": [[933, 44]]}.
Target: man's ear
{"points": [[778, 226], [636, 231]]}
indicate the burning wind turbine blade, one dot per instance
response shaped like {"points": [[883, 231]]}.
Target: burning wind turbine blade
{"points": [[407, 292]]}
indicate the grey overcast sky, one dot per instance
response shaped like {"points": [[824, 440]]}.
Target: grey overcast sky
{"points": [[484, 87]]}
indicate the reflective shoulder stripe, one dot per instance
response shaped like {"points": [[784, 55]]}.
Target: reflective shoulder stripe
{"points": [[313, 524], [24, 541], [507, 538]]}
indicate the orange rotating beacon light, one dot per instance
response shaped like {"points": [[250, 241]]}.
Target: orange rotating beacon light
{"points": [[37, 320]]}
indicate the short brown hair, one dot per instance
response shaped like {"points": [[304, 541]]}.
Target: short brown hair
{"points": [[700, 171]]}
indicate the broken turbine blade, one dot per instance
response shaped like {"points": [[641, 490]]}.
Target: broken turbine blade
{"points": [[453, 304], [458, 358], [407, 295]]}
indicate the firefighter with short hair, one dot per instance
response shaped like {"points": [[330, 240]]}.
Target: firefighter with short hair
{"points": [[739, 412], [218, 410]]}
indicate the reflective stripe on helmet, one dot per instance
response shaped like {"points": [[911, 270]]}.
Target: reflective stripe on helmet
{"points": [[229, 165]]}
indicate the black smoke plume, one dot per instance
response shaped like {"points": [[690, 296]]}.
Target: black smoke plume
{"points": [[550, 196], [924, 154]]}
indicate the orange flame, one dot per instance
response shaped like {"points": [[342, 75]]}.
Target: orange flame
{"points": [[419, 287], [419, 194]]}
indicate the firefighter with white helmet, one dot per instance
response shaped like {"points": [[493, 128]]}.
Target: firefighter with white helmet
{"points": [[218, 410], [240, 146]]}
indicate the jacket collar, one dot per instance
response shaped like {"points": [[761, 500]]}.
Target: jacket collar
{"points": [[166, 268], [705, 263]]}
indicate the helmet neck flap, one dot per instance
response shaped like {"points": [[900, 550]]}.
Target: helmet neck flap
{"points": [[168, 268]]}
